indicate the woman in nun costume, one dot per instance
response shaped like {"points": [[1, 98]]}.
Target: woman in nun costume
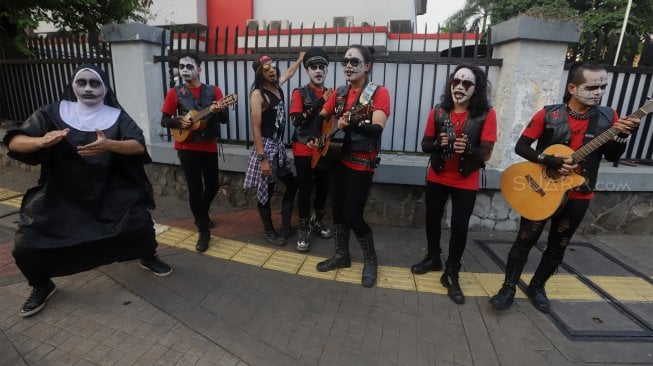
{"points": [[91, 204]]}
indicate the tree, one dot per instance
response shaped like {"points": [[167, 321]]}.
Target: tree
{"points": [[17, 16], [474, 12]]}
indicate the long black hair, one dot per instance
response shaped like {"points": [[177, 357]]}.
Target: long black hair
{"points": [[259, 80], [479, 103]]}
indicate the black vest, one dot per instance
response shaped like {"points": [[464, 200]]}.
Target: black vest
{"points": [[556, 131], [304, 132], [186, 102], [354, 141], [473, 127]]}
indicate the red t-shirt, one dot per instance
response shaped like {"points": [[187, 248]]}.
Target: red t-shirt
{"points": [[577, 127], [449, 175], [297, 106], [381, 101], [170, 107]]}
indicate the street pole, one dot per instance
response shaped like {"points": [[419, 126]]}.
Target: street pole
{"points": [[623, 30]]}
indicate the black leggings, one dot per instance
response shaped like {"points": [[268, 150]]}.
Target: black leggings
{"points": [[290, 181], [201, 172], [349, 190], [563, 227], [309, 178], [462, 206]]}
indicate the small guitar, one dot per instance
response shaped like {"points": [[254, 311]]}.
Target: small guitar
{"points": [[197, 119], [536, 191], [327, 151]]}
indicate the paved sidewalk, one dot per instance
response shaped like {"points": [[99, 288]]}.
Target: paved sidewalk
{"points": [[245, 302]]}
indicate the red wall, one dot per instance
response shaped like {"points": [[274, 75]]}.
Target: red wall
{"points": [[227, 13]]}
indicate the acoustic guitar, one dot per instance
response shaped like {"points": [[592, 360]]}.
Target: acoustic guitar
{"points": [[197, 119], [326, 150], [536, 191]]}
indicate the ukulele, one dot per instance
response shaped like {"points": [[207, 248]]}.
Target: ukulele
{"points": [[197, 119]]}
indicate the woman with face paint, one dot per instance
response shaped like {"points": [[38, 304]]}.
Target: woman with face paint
{"points": [[460, 135], [268, 161], [305, 104], [351, 177], [90, 206], [198, 154], [573, 123]]}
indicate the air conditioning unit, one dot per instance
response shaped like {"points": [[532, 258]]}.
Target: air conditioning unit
{"points": [[343, 21], [253, 24], [278, 24], [420, 7], [401, 26]]}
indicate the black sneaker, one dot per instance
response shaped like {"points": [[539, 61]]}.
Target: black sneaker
{"points": [[156, 266], [37, 299]]}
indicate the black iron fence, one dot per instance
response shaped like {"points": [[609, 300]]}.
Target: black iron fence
{"points": [[29, 83]]}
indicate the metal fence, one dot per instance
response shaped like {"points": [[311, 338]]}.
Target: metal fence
{"points": [[29, 83], [413, 67]]}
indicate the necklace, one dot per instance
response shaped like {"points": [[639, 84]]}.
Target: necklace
{"points": [[587, 115]]}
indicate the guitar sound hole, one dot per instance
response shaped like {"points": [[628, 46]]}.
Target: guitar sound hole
{"points": [[553, 174]]}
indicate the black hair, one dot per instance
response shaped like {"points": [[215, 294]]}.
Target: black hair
{"points": [[367, 53], [192, 55], [576, 77], [479, 103], [259, 81]]}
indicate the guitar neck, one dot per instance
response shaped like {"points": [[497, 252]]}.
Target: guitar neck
{"points": [[201, 114], [601, 139]]}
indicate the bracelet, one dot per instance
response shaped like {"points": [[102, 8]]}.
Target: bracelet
{"points": [[540, 158]]}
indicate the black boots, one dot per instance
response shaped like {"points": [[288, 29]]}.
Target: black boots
{"points": [[203, 239], [286, 216], [535, 290], [303, 235], [341, 258], [506, 295], [270, 235], [431, 262], [318, 226], [449, 280], [370, 263]]}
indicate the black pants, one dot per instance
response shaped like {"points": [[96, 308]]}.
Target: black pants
{"points": [[307, 179], [563, 227], [201, 172], [462, 206], [39, 265], [349, 191], [288, 180]]}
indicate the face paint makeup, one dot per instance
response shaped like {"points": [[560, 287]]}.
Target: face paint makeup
{"points": [[591, 91], [463, 85], [317, 73], [188, 70], [89, 88], [354, 65]]}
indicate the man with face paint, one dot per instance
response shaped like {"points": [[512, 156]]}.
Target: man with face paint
{"points": [[573, 123], [90, 206], [351, 177], [305, 104], [198, 154], [460, 135]]}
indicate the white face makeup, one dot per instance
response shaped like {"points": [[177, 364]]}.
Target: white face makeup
{"points": [[188, 70], [591, 91], [317, 73], [89, 88], [357, 72], [463, 85]]}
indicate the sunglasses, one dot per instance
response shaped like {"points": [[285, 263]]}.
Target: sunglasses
{"points": [[466, 83], [189, 67], [268, 66], [317, 66], [350, 61]]}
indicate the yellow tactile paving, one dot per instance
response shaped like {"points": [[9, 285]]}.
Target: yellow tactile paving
{"points": [[629, 289], [173, 236], [13, 202], [491, 283], [566, 287], [224, 248], [308, 269], [7, 194], [430, 282], [285, 261], [253, 254], [351, 274], [395, 278]]}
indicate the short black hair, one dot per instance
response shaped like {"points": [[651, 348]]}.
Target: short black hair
{"points": [[192, 55], [576, 77]]}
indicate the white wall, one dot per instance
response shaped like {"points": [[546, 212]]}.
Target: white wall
{"points": [[168, 12], [320, 11]]}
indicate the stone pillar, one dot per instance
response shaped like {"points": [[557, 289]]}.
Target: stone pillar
{"points": [[533, 51], [137, 76]]}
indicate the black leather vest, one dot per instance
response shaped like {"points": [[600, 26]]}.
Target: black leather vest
{"points": [[303, 132], [187, 102], [354, 141], [473, 127], [556, 131]]}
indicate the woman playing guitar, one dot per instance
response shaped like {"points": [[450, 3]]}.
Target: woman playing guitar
{"points": [[352, 175]]}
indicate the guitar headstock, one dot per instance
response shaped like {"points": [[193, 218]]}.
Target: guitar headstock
{"points": [[648, 106], [228, 100]]}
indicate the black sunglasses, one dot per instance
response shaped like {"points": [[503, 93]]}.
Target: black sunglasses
{"points": [[317, 66], [189, 67], [350, 61], [466, 83]]}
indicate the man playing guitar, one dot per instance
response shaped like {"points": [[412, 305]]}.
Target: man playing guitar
{"points": [[577, 120], [199, 153]]}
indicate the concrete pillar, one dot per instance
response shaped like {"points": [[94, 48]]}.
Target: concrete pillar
{"points": [[137, 77], [533, 51]]}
